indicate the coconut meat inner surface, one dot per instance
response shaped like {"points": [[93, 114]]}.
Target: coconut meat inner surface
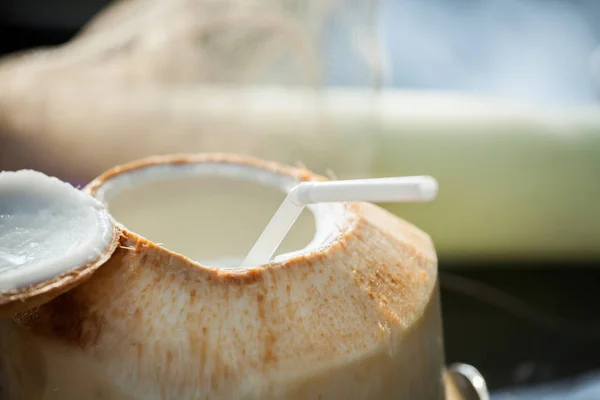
{"points": [[47, 227], [213, 213]]}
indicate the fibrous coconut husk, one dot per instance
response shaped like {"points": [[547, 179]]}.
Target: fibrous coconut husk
{"points": [[136, 80]]}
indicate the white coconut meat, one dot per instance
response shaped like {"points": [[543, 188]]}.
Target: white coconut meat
{"points": [[47, 228], [213, 212]]}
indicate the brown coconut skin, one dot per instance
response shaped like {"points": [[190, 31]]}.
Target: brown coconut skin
{"points": [[358, 320]]}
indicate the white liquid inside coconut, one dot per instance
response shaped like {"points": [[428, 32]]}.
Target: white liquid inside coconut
{"points": [[213, 213], [47, 227]]}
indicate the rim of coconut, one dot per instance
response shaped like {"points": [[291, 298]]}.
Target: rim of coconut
{"points": [[69, 255], [89, 252], [331, 221]]}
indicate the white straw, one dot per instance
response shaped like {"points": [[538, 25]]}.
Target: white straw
{"points": [[380, 190]]}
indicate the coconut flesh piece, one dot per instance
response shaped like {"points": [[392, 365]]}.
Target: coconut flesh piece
{"points": [[52, 236], [354, 314]]}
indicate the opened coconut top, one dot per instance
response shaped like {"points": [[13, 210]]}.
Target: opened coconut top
{"points": [[53, 236], [204, 207]]}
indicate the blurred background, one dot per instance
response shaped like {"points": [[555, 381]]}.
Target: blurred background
{"points": [[498, 99]]}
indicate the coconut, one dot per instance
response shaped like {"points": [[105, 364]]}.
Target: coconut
{"points": [[349, 309]]}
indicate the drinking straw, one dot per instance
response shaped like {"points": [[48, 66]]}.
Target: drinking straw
{"points": [[381, 190]]}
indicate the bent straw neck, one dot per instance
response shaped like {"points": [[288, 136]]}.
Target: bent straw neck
{"points": [[397, 189]]}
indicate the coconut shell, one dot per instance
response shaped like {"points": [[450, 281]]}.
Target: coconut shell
{"points": [[358, 319]]}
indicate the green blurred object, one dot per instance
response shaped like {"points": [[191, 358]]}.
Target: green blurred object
{"points": [[515, 181], [525, 193]]}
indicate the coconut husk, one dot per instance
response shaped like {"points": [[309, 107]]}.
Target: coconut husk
{"points": [[356, 317], [135, 81]]}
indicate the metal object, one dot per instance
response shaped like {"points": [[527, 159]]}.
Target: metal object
{"points": [[469, 382]]}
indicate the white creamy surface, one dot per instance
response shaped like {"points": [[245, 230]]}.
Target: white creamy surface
{"points": [[47, 227]]}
